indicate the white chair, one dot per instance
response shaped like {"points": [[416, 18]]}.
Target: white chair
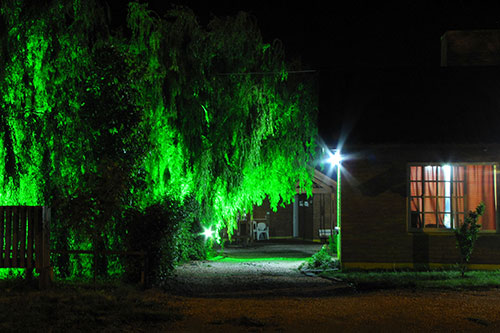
{"points": [[261, 229]]}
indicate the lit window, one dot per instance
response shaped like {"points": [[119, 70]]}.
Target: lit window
{"points": [[440, 195]]}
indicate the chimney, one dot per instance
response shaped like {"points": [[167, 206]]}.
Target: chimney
{"points": [[470, 48]]}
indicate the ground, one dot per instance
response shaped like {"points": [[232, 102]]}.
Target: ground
{"points": [[253, 289], [262, 269], [379, 311], [262, 294]]}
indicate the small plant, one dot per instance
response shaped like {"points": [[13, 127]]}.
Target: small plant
{"points": [[466, 236], [332, 245], [321, 260]]}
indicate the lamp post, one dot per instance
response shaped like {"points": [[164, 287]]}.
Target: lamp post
{"points": [[335, 159]]}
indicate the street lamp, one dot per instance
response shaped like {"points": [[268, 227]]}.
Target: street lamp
{"points": [[335, 159]]}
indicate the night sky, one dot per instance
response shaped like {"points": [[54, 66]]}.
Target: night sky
{"points": [[378, 63]]}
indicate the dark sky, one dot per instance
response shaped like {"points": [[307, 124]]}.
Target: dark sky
{"points": [[356, 33], [376, 59]]}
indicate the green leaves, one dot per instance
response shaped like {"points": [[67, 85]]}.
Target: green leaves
{"points": [[251, 136], [174, 109], [466, 235]]}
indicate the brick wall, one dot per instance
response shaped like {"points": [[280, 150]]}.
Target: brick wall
{"points": [[281, 221], [374, 207]]}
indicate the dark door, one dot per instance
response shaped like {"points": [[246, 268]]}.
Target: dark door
{"points": [[305, 217]]}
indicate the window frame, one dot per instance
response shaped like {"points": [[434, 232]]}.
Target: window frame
{"points": [[452, 213]]}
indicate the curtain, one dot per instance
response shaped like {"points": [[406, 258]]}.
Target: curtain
{"points": [[458, 190], [458, 195], [430, 199], [480, 188], [415, 194]]}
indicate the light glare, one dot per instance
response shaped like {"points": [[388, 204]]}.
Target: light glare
{"points": [[335, 158], [208, 232]]}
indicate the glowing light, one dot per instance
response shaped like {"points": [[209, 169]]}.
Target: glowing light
{"points": [[208, 232], [447, 195], [339, 215], [335, 158]]}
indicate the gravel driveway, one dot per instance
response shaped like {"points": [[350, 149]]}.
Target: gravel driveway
{"points": [[260, 294], [261, 269]]}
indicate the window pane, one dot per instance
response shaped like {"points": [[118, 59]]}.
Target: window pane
{"points": [[416, 173], [415, 189], [430, 220], [458, 189], [458, 173], [441, 195], [480, 188], [444, 221], [430, 173], [416, 204], [458, 204], [444, 173]]}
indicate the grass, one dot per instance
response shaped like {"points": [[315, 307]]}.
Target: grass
{"points": [[81, 307], [443, 279]]}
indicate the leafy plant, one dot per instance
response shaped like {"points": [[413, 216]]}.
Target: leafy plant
{"points": [[466, 236], [321, 260], [169, 235], [97, 122], [332, 244]]}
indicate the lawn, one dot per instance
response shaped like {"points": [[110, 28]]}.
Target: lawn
{"points": [[438, 279]]}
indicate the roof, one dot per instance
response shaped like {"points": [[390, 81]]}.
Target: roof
{"points": [[321, 184]]}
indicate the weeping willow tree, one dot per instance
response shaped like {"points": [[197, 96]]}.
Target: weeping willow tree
{"points": [[70, 127], [94, 121], [226, 124]]}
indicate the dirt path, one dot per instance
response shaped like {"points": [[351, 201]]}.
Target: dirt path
{"points": [[382, 311], [268, 296], [258, 270], [247, 279]]}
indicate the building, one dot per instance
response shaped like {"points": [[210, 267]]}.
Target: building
{"points": [[310, 219], [402, 202], [425, 150]]}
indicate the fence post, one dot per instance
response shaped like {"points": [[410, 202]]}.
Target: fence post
{"points": [[46, 272]]}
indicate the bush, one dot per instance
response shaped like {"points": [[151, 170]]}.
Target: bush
{"points": [[169, 235], [322, 260], [332, 245], [466, 236]]}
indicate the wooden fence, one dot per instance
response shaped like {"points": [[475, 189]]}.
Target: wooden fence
{"points": [[24, 240], [24, 243]]}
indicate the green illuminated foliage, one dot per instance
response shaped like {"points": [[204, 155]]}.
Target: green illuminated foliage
{"points": [[217, 131], [94, 122]]}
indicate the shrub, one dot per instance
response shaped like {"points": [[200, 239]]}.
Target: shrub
{"points": [[321, 260], [332, 245], [466, 236], [169, 235]]}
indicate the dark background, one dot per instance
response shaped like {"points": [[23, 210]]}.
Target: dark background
{"points": [[378, 65]]}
